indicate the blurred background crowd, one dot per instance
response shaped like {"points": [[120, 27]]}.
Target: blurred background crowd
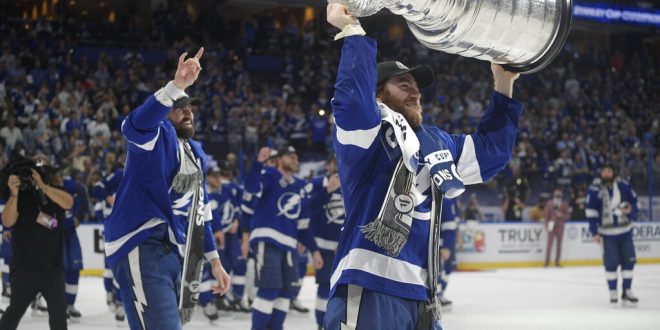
{"points": [[69, 76]]}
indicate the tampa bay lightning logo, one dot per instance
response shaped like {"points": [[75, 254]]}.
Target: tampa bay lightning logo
{"points": [[334, 209], [289, 205]]}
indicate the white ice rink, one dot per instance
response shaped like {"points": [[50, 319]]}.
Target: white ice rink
{"points": [[508, 299]]}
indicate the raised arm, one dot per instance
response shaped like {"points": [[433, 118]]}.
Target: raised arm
{"points": [[141, 127], [486, 152], [356, 113]]}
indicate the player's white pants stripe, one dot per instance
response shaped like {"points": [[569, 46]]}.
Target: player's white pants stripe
{"points": [[70, 288], [627, 274], [138, 290], [260, 258], [321, 304], [262, 305], [238, 280], [611, 276], [353, 298], [282, 304]]}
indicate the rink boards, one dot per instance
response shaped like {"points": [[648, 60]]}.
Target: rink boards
{"points": [[479, 246], [497, 245]]}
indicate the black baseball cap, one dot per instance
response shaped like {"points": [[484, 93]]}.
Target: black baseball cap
{"points": [[213, 170], [423, 74], [286, 150], [185, 100]]}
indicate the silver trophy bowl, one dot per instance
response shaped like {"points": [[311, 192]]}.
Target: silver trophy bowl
{"points": [[522, 35]]}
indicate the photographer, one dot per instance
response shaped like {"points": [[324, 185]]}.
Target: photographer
{"points": [[35, 211]]}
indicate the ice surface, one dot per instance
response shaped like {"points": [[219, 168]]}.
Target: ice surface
{"points": [[507, 299]]}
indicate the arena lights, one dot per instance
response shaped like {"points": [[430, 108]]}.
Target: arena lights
{"points": [[615, 14]]}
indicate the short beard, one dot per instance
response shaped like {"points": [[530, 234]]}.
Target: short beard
{"points": [[608, 180], [185, 133], [413, 117]]}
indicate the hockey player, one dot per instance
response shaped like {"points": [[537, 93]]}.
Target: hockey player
{"points": [[279, 222], [393, 172], [72, 253], [224, 198], [248, 201], [5, 255], [611, 209], [449, 226], [104, 192], [146, 233], [327, 218]]}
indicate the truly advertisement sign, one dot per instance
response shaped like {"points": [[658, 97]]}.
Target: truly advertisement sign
{"points": [[524, 244]]}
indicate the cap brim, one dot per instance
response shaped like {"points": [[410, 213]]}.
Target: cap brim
{"points": [[423, 76]]}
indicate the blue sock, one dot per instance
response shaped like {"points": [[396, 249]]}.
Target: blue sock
{"points": [[280, 309], [71, 278], [322, 293], [262, 308]]}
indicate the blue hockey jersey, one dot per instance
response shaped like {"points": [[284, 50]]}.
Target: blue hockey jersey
{"points": [[225, 206], [103, 189], [614, 222], [365, 171], [281, 211], [144, 198], [326, 213], [449, 222]]}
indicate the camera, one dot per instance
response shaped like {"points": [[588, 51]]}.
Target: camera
{"points": [[22, 167]]}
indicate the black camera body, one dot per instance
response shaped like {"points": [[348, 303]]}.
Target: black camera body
{"points": [[22, 167]]}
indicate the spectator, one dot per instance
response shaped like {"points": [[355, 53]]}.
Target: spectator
{"points": [[557, 211], [10, 133]]}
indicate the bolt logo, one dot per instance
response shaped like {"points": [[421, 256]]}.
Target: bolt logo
{"points": [[289, 205], [403, 203], [194, 286]]}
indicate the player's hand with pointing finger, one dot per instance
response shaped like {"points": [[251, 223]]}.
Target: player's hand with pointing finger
{"points": [[188, 70]]}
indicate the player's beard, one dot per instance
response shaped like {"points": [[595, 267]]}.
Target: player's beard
{"points": [[409, 108], [607, 179], [184, 132], [291, 168]]}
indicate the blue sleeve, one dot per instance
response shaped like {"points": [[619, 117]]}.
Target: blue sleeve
{"points": [[305, 235], [593, 205], [209, 238], [487, 151], [632, 199], [247, 202], [216, 223], [449, 223], [255, 181], [357, 116], [142, 126]]}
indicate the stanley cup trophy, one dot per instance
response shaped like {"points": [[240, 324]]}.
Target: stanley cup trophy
{"points": [[522, 35]]}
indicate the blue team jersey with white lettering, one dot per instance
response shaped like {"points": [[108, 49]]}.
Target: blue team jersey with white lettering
{"points": [[144, 198], [225, 206], [326, 213], [365, 171], [619, 193], [281, 209]]}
